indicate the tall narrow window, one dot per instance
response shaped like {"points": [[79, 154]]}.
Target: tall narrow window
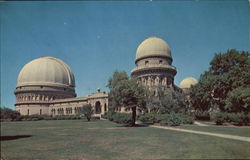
{"points": [[28, 112], [40, 111], [105, 107]]}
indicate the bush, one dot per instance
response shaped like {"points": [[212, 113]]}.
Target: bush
{"points": [[219, 117], [123, 118], [238, 118], [234, 118], [7, 113], [202, 115], [95, 118], [187, 119], [108, 115], [172, 119], [148, 117]]}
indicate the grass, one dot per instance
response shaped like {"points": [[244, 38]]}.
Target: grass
{"points": [[100, 140], [237, 131]]}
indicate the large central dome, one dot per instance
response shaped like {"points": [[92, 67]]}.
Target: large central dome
{"points": [[153, 46], [47, 71]]}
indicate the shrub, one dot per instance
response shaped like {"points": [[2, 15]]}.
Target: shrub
{"points": [[7, 113], [202, 115], [47, 117], [238, 118], [95, 118], [123, 118], [108, 115], [187, 119], [142, 118], [148, 117], [172, 119], [219, 117]]}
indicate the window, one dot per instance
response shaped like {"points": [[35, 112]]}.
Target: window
{"points": [[160, 61], [28, 112], [40, 111], [146, 62], [105, 107]]}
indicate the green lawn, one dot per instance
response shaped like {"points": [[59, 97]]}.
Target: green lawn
{"points": [[237, 131], [78, 139]]}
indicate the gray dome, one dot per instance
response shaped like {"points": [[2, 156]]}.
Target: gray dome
{"points": [[48, 71], [153, 46]]}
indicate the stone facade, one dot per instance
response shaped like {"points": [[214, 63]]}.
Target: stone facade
{"points": [[64, 106]]}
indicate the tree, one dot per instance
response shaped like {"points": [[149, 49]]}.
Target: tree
{"points": [[172, 102], [112, 83], [238, 100], [87, 111], [228, 75], [7, 113], [127, 93]]}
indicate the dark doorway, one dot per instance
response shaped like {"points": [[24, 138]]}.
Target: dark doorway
{"points": [[98, 108]]}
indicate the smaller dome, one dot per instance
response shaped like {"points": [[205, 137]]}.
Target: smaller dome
{"points": [[187, 82], [153, 46]]}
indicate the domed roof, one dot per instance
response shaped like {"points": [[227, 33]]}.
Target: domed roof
{"points": [[187, 82], [153, 46], [46, 71]]}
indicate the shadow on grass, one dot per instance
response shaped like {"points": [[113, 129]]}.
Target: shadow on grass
{"points": [[136, 125], [8, 138]]}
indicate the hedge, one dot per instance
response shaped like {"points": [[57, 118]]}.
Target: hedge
{"points": [[234, 118], [172, 119], [124, 118]]}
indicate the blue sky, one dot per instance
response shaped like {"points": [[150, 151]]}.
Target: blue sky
{"points": [[96, 38]]}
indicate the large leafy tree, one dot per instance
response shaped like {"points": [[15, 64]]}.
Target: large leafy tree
{"points": [[227, 78], [125, 92]]}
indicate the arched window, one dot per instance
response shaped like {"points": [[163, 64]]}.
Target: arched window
{"points": [[146, 62]]}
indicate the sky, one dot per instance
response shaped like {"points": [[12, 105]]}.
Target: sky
{"points": [[96, 38]]}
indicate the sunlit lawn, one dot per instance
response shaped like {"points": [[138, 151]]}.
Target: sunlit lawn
{"points": [[78, 139]]}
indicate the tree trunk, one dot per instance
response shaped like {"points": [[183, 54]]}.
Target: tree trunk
{"points": [[133, 116], [88, 118]]}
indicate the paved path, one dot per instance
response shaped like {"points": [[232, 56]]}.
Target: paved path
{"points": [[200, 124], [246, 139]]}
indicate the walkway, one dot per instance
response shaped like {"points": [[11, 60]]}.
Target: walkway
{"points": [[199, 123], [246, 139]]}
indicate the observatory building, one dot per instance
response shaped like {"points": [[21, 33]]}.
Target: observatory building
{"points": [[154, 64], [47, 86]]}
